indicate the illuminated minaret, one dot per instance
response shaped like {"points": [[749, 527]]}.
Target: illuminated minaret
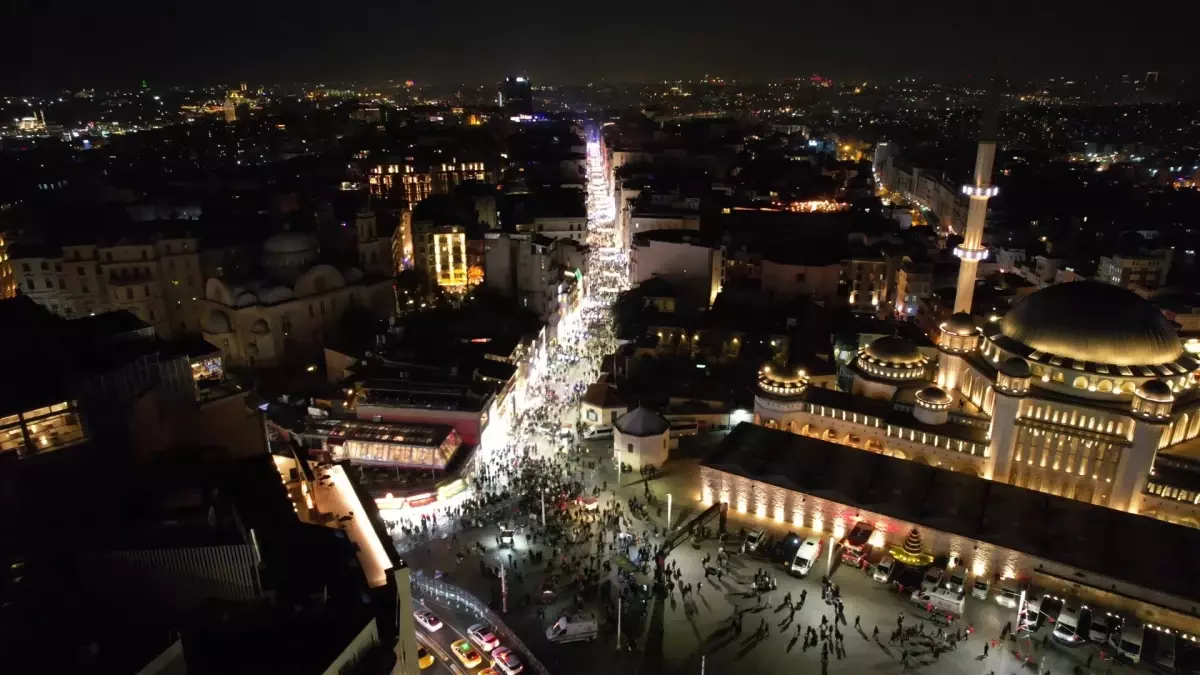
{"points": [[971, 251]]}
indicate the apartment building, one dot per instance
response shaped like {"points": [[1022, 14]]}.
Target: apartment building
{"points": [[156, 278], [1146, 270]]}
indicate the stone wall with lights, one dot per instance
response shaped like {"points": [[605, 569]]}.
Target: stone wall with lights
{"points": [[871, 433], [800, 511], [807, 515]]}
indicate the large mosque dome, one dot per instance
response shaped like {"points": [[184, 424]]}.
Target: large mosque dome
{"points": [[288, 254], [1093, 321], [285, 243]]}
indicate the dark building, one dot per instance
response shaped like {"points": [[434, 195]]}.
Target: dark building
{"points": [[516, 96]]}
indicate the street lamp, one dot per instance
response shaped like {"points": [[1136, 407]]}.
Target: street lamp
{"points": [[668, 510], [1020, 611], [618, 623], [504, 587], [543, 507]]}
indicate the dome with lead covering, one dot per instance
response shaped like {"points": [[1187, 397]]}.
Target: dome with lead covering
{"points": [[893, 350], [642, 422], [1090, 321]]}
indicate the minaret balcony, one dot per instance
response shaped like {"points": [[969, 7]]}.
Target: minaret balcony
{"points": [[984, 191], [975, 254]]}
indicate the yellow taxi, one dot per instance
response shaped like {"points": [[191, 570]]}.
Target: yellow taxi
{"points": [[424, 658], [466, 653]]}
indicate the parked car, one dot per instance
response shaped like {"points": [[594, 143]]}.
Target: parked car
{"points": [[883, 571], [980, 588], [1128, 641], [1007, 596], [1100, 626], [1066, 626], [933, 577], [956, 582], [752, 541]]}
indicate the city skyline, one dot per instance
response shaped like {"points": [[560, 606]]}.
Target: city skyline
{"points": [[482, 43]]}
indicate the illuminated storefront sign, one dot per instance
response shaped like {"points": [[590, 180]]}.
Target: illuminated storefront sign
{"points": [[422, 500], [452, 488]]}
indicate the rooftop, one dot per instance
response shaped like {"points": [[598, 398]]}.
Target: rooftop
{"points": [[426, 435], [642, 422], [603, 395]]}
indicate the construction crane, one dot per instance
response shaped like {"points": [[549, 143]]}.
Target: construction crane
{"points": [[719, 510]]}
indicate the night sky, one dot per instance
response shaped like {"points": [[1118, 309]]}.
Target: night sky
{"points": [[70, 43]]}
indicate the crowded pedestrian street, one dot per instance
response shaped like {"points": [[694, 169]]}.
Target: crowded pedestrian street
{"points": [[552, 526]]}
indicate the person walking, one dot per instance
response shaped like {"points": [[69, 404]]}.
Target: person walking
{"points": [[985, 650], [857, 624]]}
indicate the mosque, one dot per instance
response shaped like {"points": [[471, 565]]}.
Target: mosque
{"points": [[1074, 392], [291, 306], [1054, 445]]}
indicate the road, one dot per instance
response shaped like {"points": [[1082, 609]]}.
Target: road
{"points": [[439, 642]]}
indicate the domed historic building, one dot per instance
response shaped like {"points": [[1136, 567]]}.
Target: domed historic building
{"points": [[1073, 392], [289, 308], [641, 438]]}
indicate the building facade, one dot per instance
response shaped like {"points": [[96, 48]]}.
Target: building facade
{"points": [[290, 311], [159, 280], [525, 268], [1051, 398], [441, 252], [683, 259], [1146, 271], [865, 282], [413, 181], [8, 283]]}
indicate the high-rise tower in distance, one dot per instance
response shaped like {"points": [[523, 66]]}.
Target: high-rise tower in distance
{"points": [[516, 96]]}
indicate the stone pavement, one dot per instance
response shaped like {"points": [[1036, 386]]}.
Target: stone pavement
{"points": [[678, 630]]}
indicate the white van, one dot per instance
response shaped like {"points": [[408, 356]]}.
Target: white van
{"points": [[806, 556], [598, 433], [573, 628], [1128, 641], [941, 600], [1066, 626], [883, 571]]}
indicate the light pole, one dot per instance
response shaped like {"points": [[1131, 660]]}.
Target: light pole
{"points": [[618, 623], [504, 588], [829, 558], [668, 510], [1020, 611], [543, 507]]}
